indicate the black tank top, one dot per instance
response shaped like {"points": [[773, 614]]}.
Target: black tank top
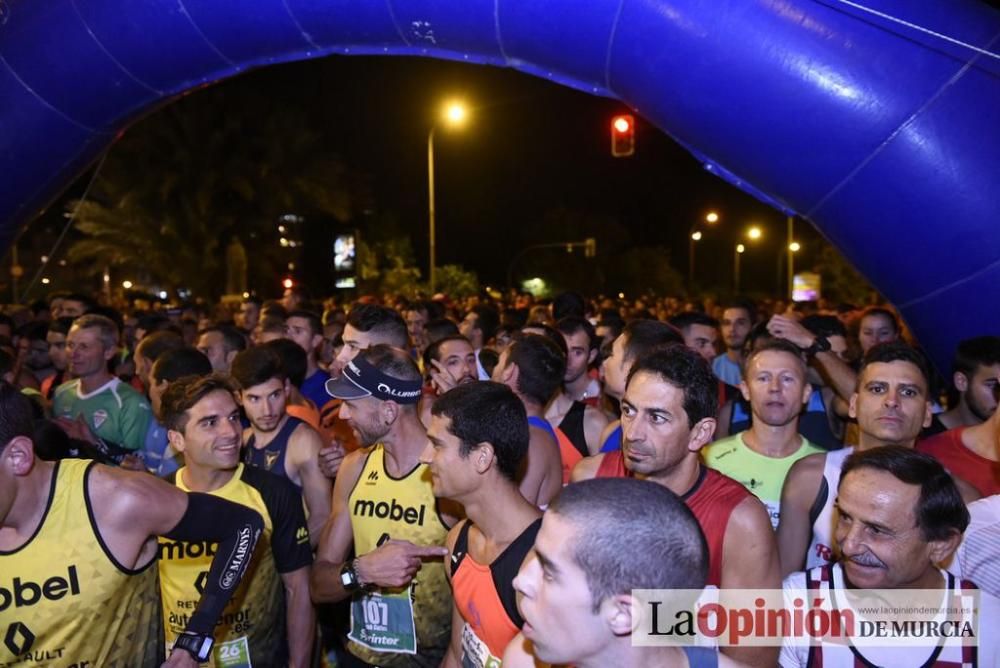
{"points": [[572, 426], [272, 456]]}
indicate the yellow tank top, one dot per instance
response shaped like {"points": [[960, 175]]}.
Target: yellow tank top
{"points": [[65, 600], [251, 630], [384, 507]]}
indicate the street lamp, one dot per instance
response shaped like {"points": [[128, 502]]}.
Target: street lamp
{"points": [[693, 236], [453, 115], [754, 233]]}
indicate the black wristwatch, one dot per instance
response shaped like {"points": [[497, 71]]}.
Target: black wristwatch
{"points": [[820, 344], [349, 577], [197, 645]]}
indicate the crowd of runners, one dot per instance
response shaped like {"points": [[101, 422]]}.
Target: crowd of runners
{"points": [[479, 482]]}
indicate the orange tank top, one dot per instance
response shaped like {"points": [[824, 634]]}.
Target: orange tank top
{"points": [[484, 595], [567, 453]]}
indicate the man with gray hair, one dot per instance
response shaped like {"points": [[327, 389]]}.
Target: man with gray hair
{"points": [[96, 406]]}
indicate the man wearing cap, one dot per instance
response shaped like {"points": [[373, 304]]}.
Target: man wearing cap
{"points": [[384, 508]]}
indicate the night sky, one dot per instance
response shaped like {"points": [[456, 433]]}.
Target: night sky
{"points": [[529, 148]]}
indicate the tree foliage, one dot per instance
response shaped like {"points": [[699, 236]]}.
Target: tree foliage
{"points": [[841, 281], [179, 184]]}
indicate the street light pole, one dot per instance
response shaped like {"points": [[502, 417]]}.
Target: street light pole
{"points": [[430, 206], [791, 255], [737, 252], [693, 236], [454, 115]]}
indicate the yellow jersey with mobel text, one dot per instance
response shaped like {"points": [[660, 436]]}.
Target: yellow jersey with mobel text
{"points": [[251, 630], [64, 598], [409, 626]]}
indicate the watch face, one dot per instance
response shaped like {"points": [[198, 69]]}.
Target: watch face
{"points": [[347, 578]]}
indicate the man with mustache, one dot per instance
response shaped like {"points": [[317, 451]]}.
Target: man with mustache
{"points": [[899, 514], [892, 404]]}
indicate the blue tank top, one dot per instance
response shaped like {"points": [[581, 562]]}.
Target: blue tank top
{"points": [[614, 440], [701, 657], [272, 456], [542, 423]]}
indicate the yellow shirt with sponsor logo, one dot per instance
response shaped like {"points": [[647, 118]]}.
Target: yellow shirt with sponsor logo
{"points": [[66, 601], [251, 630], [383, 507]]}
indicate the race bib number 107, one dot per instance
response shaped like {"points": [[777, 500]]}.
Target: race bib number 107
{"points": [[383, 622]]}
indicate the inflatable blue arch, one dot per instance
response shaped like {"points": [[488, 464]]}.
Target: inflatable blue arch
{"points": [[876, 120]]}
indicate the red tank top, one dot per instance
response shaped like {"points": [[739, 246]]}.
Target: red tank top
{"points": [[712, 500], [978, 471]]}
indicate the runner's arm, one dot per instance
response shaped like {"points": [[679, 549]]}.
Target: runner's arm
{"points": [[453, 657], [132, 509], [541, 462], [594, 424], [797, 497], [337, 538], [586, 468], [750, 561], [317, 489], [300, 621]]}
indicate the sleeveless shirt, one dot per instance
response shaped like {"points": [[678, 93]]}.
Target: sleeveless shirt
{"points": [[712, 500], [252, 625], [824, 519], [64, 598], [383, 507], [827, 580], [485, 597], [271, 457]]}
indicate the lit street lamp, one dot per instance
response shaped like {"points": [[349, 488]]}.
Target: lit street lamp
{"points": [[454, 115], [693, 236], [753, 234]]}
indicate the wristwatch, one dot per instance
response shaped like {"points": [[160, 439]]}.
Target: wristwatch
{"points": [[349, 576], [820, 344], [197, 645]]}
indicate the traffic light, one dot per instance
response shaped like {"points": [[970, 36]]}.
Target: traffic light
{"points": [[590, 247], [622, 135]]}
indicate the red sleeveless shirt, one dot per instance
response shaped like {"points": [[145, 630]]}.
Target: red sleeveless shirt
{"points": [[712, 500]]}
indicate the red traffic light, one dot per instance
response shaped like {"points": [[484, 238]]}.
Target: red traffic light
{"points": [[622, 135]]}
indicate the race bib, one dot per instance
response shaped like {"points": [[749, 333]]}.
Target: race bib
{"points": [[383, 622], [475, 653], [232, 654]]}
